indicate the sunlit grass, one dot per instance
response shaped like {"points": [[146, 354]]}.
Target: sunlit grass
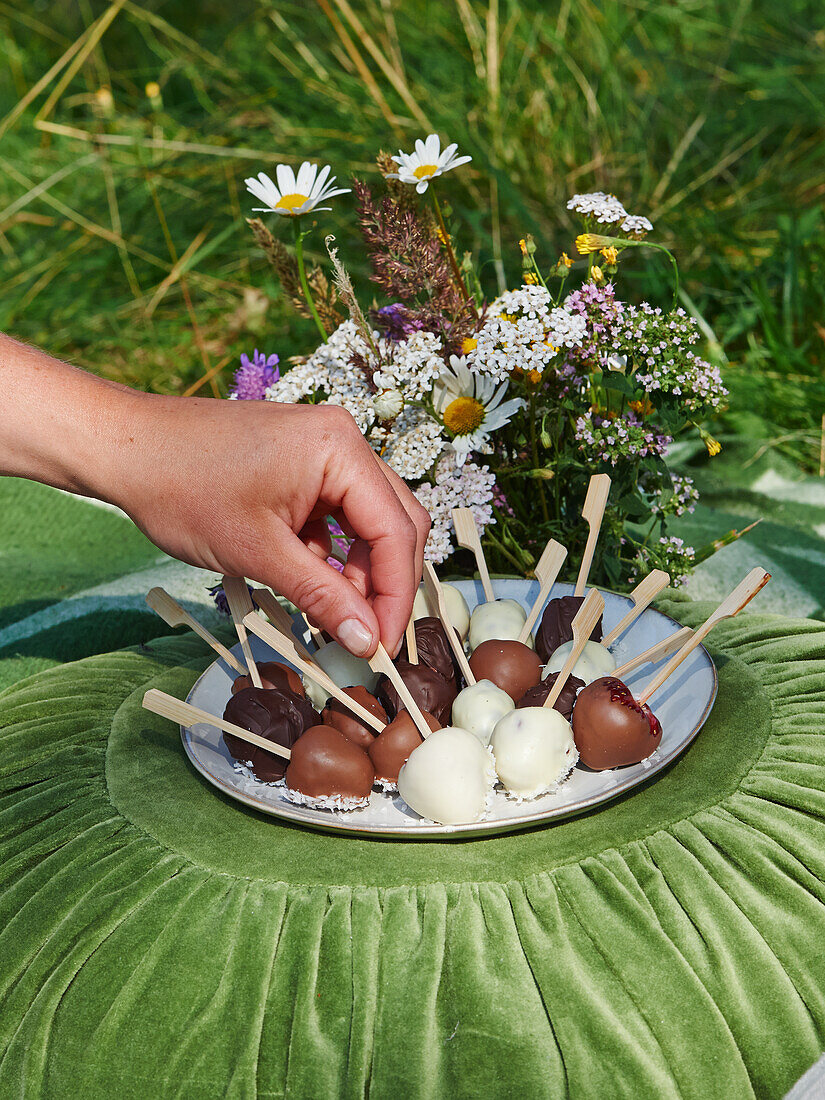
{"points": [[123, 243]]}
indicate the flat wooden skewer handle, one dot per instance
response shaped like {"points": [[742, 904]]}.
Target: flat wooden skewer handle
{"points": [[314, 633], [739, 598], [174, 615], [594, 505], [167, 706], [280, 619], [435, 596], [642, 595], [287, 649], [240, 604], [547, 570], [466, 534], [381, 662], [586, 618], [656, 652], [412, 644]]}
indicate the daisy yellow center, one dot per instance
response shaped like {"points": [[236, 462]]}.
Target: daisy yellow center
{"points": [[290, 202], [464, 416], [424, 171]]}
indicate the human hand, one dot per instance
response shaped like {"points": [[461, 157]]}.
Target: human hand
{"points": [[242, 488]]}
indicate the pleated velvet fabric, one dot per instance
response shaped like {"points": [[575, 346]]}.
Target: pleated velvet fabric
{"points": [[158, 940]]}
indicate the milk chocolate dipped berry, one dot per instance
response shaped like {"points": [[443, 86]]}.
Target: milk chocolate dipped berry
{"points": [[535, 696], [393, 745], [326, 767], [428, 688], [353, 728], [279, 716], [556, 625], [273, 674], [510, 665], [610, 728]]}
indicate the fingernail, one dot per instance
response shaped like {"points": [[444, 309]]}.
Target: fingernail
{"points": [[354, 636]]}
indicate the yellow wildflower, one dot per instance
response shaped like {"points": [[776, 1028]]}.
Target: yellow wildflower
{"points": [[104, 99], [464, 415], [713, 446], [643, 407], [530, 278], [534, 376], [596, 274], [565, 259], [468, 345], [590, 242], [610, 254], [153, 90], [523, 246]]}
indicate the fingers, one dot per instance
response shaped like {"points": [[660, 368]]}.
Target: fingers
{"points": [[415, 510], [315, 536], [357, 568], [331, 600], [375, 513]]}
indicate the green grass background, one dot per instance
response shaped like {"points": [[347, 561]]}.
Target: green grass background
{"points": [[122, 238]]}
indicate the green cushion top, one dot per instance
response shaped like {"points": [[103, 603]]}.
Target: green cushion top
{"points": [[160, 940]]}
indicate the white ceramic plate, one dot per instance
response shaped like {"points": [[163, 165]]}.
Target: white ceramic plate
{"points": [[682, 706]]}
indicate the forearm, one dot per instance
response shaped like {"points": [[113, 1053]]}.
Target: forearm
{"points": [[61, 425]]}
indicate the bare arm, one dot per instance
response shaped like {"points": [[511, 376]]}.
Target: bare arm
{"points": [[237, 487]]}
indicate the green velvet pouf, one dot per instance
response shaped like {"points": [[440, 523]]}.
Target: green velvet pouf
{"points": [[159, 940]]}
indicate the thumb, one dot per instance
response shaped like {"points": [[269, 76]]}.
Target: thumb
{"points": [[329, 599]]}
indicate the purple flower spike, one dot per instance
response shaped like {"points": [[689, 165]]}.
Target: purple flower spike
{"points": [[397, 321], [254, 376]]}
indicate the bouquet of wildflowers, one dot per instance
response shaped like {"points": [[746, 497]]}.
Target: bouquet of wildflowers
{"points": [[504, 406]]}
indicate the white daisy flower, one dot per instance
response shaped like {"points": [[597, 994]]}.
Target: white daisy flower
{"points": [[470, 407], [427, 162], [293, 195]]}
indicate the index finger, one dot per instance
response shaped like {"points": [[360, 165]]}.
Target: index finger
{"points": [[358, 485]]}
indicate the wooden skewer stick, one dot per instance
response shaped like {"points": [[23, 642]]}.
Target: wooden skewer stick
{"points": [[174, 615], [382, 662], [167, 706], [586, 618], [466, 534], [547, 570], [285, 645], [655, 653], [594, 505], [739, 598], [412, 645], [314, 633], [435, 597], [280, 619], [240, 604], [642, 595]]}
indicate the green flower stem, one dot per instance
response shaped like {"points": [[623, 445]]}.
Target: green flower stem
{"points": [[623, 242], [299, 259], [534, 444], [502, 549], [448, 245]]}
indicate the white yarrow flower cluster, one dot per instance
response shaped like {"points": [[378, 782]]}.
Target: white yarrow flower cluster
{"points": [[635, 223], [329, 372], [468, 486], [410, 365], [411, 444], [523, 329], [607, 210]]}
